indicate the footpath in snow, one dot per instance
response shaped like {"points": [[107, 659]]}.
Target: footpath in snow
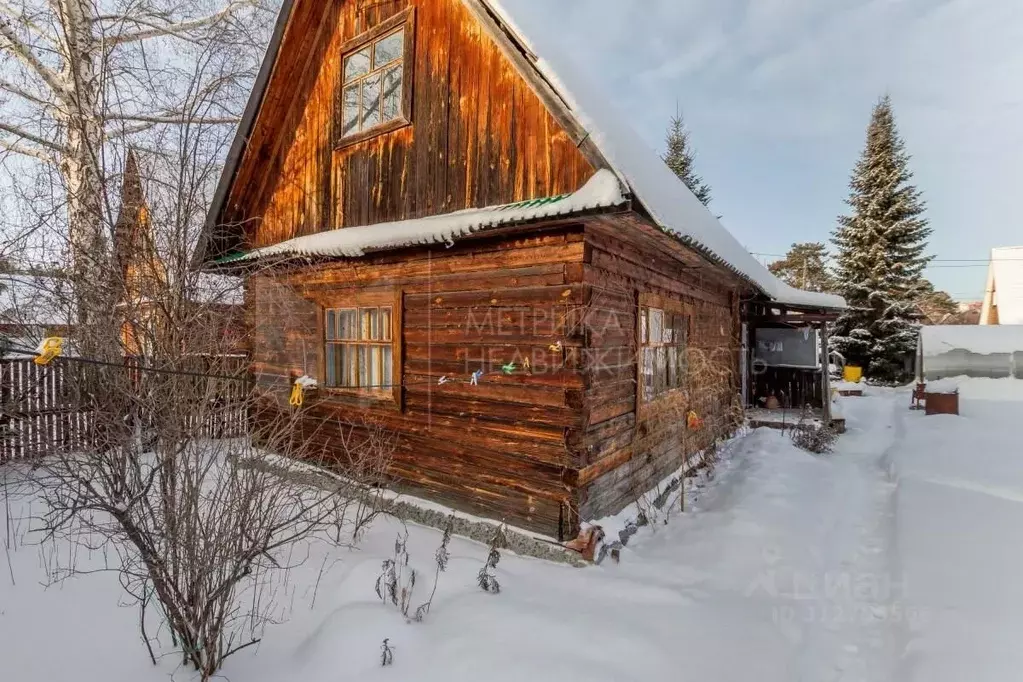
{"points": [[894, 558]]}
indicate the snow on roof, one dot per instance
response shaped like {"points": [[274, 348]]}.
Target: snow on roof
{"points": [[981, 339], [668, 201], [602, 191], [34, 301], [1007, 269]]}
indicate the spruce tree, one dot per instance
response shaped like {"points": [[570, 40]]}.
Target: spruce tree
{"points": [[880, 256], [679, 157], [804, 267]]}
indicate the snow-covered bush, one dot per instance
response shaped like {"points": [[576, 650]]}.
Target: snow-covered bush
{"points": [[818, 440]]}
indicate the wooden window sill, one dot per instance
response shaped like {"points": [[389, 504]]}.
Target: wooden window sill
{"points": [[383, 398], [382, 129]]}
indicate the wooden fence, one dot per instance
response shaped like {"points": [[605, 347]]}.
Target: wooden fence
{"points": [[40, 410]]}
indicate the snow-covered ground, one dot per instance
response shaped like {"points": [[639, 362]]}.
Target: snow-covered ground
{"points": [[896, 558]]}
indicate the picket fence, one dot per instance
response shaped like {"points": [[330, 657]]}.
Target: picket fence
{"points": [[40, 412]]}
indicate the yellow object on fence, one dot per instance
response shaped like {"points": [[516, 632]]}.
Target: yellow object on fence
{"points": [[852, 374], [49, 349], [297, 395]]}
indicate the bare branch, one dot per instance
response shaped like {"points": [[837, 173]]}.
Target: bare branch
{"points": [[178, 29], [178, 118], [20, 16], [25, 135], [25, 54], [128, 130], [21, 92], [18, 148]]}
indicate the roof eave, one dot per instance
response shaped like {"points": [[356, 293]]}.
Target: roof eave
{"points": [[493, 230], [241, 137]]}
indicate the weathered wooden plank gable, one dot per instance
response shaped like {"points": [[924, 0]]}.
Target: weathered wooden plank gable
{"points": [[479, 136]]}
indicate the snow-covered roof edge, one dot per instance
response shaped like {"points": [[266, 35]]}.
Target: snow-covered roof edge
{"points": [[668, 201], [602, 191]]}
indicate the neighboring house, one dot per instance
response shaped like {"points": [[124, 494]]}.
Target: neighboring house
{"points": [[414, 197], [212, 303], [1003, 297]]}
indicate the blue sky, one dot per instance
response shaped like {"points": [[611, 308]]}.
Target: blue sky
{"points": [[778, 93]]}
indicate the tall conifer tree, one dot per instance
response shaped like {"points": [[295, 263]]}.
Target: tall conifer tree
{"points": [[880, 257]]}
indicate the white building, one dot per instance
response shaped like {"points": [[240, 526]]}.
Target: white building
{"points": [[1003, 298]]}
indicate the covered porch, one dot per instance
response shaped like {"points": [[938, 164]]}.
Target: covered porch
{"points": [[785, 366]]}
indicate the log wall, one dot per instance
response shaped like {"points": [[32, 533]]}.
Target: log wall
{"points": [[497, 449], [627, 447], [544, 449]]}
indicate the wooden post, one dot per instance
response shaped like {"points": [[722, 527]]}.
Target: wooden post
{"points": [[825, 372], [744, 364]]}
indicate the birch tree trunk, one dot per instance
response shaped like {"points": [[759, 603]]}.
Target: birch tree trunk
{"points": [[83, 83], [81, 164]]}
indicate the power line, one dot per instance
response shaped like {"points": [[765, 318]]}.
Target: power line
{"points": [[985, 261], [976, 265]]}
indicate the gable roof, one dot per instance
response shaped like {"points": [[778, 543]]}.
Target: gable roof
{"points": [[654, 188], [1005, 286]]}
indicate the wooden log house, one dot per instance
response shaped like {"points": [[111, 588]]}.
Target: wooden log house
{"points": [[415, 197]]}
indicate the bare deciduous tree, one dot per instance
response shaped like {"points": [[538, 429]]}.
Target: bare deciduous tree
{"points": [[179, 471], [77, 76]]}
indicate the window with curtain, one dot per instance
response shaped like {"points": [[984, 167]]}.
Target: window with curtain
{"points": [[360, 348], [663, 337]]}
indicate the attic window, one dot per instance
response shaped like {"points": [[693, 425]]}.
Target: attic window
{"points": [[376, 81]]}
